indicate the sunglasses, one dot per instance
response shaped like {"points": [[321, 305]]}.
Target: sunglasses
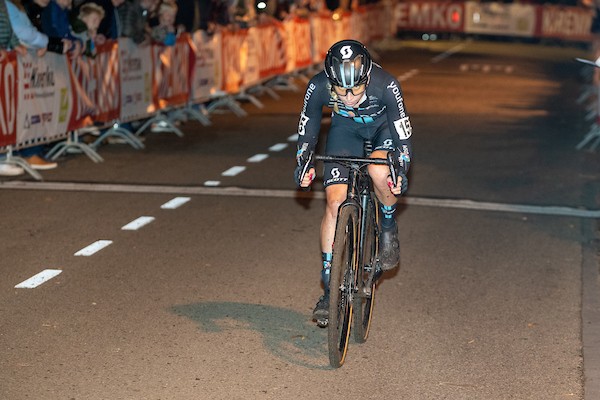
{"points": [[356, 90]]}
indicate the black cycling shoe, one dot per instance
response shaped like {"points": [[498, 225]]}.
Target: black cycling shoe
{"points": [[321, 311], [389, 248]]}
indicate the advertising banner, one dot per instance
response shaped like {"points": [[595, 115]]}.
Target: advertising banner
{"points": [[8, 99], [45, 98], [136, 80], [206, 69], [430, 16], [500, 19], [567, 23]]}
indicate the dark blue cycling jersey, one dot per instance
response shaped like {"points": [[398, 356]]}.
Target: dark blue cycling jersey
{"points": [[382, 99]]}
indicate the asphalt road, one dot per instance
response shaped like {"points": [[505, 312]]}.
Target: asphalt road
{"points": [[212, 299]]}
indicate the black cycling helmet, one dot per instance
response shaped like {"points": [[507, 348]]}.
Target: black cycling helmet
{"points": [[348, 64]]}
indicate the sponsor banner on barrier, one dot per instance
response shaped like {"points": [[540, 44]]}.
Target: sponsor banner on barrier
{"points": [[298, 44], [172, 68], [233, 49], [206, 69], [108, 93], [500, 19], [272, 57], [9, 99], [136, 80], [430, 16], [566, 23], [81, 78], [45, 98], [323, 36], [249, 58]]}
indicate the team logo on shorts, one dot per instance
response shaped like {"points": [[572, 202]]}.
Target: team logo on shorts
{"points": [[335, 173]]}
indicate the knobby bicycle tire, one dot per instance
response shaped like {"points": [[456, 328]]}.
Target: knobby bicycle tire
{"points": [[365, 294], [342, 274]]}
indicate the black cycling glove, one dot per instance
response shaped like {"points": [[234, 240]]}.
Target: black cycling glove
{"points": [[398, 169], [303, 165]]}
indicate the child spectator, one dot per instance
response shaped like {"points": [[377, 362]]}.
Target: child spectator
{"points": [[91, 15], [165, 31]]}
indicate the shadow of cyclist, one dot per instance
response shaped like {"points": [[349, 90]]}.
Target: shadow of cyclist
{"points": [[287, 334]]}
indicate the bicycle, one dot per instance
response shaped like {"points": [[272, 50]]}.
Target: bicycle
{"points": [[354, 267]]}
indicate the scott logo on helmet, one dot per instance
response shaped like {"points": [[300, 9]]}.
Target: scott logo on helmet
{"points": [[346, 52]]}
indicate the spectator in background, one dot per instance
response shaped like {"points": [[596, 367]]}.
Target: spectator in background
{"points": [[110, 25], [28, 35], [219, 16], [133, 18], [8, 41], [34, 9], [55, 22], [91, 14], [188, 15], [165, 32]]}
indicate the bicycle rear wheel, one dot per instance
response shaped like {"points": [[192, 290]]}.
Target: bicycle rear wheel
{"points": [[365, 284], [341, 284]]}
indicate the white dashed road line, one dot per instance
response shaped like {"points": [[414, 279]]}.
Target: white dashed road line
{"points": [[212, 183], [137, 223], [278, 147], [258, 158], [93, 248], [233, 171], [175, 203], [38, 279]]}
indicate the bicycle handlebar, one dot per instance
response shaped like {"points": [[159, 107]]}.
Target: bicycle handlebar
{"points": [[389, 161]]}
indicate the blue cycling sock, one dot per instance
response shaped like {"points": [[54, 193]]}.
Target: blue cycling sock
{"points": [[326, 269], [388, 216]]}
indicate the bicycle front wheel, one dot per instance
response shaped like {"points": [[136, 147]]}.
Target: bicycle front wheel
{"points": [[341, 284], [365, 284]]}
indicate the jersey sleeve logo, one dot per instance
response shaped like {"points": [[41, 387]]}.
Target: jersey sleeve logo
{"points": [[403, 128], [302, 124]]}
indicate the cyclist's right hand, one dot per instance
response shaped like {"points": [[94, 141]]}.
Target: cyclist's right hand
{"points": [[304, 172], [309, 176]]}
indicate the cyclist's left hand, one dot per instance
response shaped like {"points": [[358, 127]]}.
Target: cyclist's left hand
{"points": [[401, 185]]}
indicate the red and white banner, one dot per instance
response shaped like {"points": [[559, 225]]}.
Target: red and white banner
{"points": [[233, 45], [298, 42], [272, 56], [9, 99], [108, 82], [172, 69]]}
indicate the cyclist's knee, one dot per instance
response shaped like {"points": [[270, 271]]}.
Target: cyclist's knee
{"points": [[336, 194]]}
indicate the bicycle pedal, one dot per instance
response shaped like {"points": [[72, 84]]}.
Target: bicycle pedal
{"points": [[322, 323]]}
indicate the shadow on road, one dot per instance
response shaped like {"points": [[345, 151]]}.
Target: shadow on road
{"points": [[287, 334]]}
